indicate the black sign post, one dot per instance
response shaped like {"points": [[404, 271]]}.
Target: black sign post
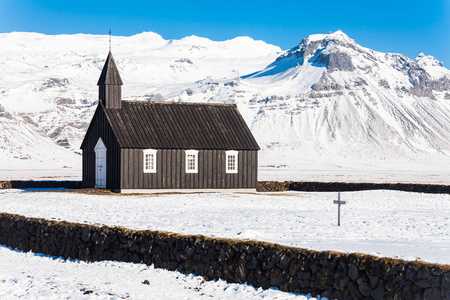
{"points": [[339, 203]]}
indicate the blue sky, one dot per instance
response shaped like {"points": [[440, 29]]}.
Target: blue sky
{"points": [[407, 27]]}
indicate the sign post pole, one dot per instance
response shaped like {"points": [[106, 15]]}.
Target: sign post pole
{"points": [[339, 203]]}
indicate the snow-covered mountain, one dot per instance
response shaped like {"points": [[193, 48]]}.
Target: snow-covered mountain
{"points": [[331, 96], [326, 97], [48, 89]]}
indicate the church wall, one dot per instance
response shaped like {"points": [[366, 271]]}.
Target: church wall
{"points": [[171, 173], [101, 128]]}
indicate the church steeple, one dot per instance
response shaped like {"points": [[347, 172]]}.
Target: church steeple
{"points": [[110, 84]]}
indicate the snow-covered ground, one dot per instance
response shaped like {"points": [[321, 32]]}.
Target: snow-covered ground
{"points": [[383, 223], [295, 166], [50, 174], [286, 165], [34, 276]]}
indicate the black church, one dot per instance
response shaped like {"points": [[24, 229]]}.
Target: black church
{"points": [[144, 146]]}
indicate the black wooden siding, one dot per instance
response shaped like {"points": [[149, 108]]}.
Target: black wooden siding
{"points": [[171, 173], [128, 127], [113, 94], [109, 83], [100, 127]]}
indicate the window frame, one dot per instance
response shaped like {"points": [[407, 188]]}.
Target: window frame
{"points": [[188, 153], [152, 152], [236, 156]]}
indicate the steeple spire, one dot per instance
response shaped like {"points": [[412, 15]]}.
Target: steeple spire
{"points": [[110, 84]]}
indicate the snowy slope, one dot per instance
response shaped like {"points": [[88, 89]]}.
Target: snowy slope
{"points": [[326, 99], [380, 223], [48, 89]]}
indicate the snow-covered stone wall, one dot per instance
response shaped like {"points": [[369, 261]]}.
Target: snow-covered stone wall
{"points": [[329, 274]]}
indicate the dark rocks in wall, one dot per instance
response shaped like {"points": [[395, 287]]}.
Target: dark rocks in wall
{"points": [[310, 186], [5, 185], [329, 274], [269, 186], [31, 184], [273, 186]]}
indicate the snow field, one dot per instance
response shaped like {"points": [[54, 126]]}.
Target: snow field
{"points": [[35, 276], [295, 166], [383, 223]]}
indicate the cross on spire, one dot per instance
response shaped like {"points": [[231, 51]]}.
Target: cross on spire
{"points": [[110, 40]]}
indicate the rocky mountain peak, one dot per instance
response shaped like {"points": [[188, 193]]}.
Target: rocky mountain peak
{"points": [[332, 50], [428, 60], [337, 36]]}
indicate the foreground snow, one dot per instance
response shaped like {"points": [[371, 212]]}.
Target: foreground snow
{"points": [[383, 223], [34, 276]]}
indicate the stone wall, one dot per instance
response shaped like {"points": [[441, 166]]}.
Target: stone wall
{"points": [[329, 274], [43, 184], [356, 186], [5, 185], [266, 186], [310, 186], [273, 186]]}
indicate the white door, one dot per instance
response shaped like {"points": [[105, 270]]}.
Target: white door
{"points": [[100, 164]]}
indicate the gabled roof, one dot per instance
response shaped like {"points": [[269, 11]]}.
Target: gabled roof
{"points": [[168, 125], [110, 74]]}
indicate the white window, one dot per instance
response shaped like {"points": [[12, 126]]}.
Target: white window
{"points": [[150, 161], [231, 162], [191, 161]]}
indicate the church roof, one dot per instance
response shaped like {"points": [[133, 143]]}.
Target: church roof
{"points": [[110, 74], [169, 125]]}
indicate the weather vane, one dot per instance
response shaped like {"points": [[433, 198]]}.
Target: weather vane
{"points": [[110, 40]]}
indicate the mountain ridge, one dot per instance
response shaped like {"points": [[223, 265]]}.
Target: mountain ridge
{"points": [[327, 96]]}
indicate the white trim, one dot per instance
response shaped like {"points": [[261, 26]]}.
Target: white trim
{"points": [[100, 145], [151, 152], [187, 191], [195, 156], [235, 154], [100, 164]]}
